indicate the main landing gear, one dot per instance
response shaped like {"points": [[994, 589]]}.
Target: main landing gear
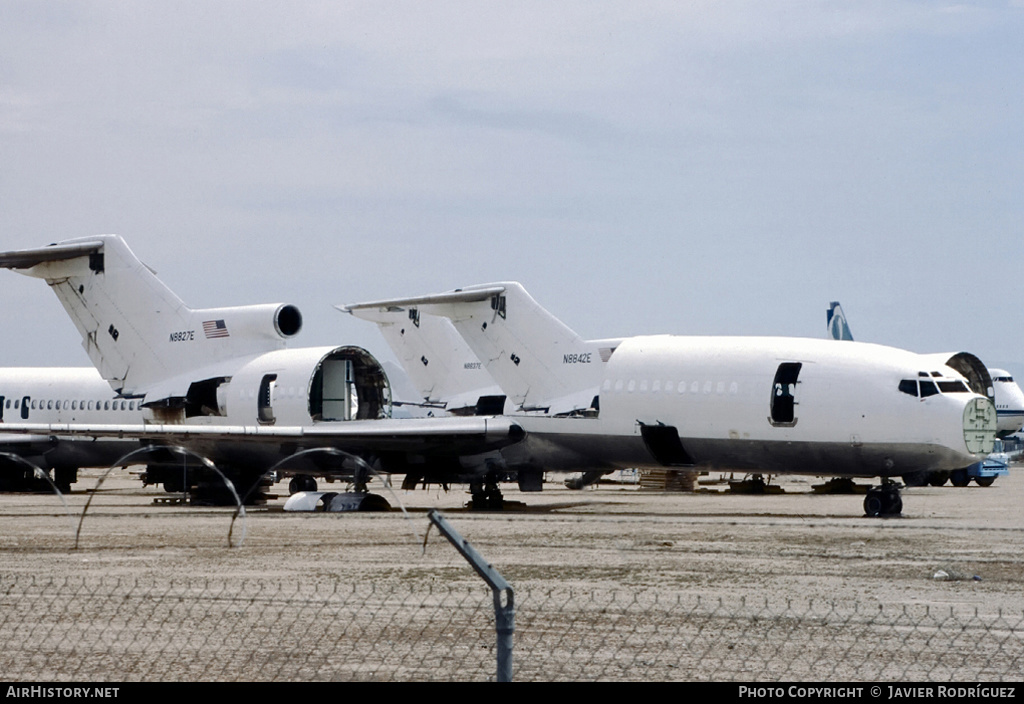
{"points": [[486, 494], [883, 500], [301, 482]]}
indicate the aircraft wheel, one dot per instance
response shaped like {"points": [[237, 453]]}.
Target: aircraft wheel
{"points": [[874, 503], [960, 478], [984, 481], [301, 482], [883, 502]]}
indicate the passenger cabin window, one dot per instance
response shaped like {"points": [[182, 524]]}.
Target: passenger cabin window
{"points": [[783, 403]]}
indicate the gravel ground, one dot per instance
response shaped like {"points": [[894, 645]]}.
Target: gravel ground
{"points": [[613, 538], [614, 535]]}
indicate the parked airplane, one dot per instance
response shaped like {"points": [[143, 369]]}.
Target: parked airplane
{"points": [[1006, 394], [221, 382], [769, 405], [1001, 388], [450, 379], [69, 395]]}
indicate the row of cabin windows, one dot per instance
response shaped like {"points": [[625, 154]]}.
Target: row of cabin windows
{"points": [[669, 386], [51, 405]]}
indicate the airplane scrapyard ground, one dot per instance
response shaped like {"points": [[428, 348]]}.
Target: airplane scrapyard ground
{"points": [[798, 546]]}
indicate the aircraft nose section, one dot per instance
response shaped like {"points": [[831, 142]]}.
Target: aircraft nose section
{"points": [[980, 426]]}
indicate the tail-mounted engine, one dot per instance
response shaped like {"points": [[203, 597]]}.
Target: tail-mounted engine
{"points": [[278, 321]]}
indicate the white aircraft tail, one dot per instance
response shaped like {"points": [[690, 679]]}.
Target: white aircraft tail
{"points": [[140, 336], [538, 361], [436, 359], [836, 321]]}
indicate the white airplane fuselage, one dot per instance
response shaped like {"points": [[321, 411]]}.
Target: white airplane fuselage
{"points": [[714, 403], [1009, 401], [63, 395]]}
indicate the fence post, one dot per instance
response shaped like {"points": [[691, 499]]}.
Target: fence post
{"points": [[504, 614]]}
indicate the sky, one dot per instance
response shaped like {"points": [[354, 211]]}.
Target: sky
{"points": [[699, 168]]}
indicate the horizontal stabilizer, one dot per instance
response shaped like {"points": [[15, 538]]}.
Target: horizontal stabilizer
{"points": [[467, 295], [28, 258]]}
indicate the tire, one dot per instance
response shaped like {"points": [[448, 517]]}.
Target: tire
{"points": [[301, 482], [984, 481], [960, 478], [874, 504]]}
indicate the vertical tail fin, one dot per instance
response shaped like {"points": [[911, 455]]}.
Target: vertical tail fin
{"points": [[538, 361], [137, 332], [435, 357], [836, 322]]}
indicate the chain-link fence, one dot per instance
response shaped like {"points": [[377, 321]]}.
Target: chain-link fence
{"points": [[106, 629]]}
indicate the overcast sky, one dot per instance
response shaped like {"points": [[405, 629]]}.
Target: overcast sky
{"points": [[641, 167]]}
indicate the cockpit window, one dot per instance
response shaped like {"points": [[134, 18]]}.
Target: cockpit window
{"points": [[928, 388], [909, 386], [953, 387]]}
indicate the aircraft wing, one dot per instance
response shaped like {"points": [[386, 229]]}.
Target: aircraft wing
{"points": [[428, 436]]}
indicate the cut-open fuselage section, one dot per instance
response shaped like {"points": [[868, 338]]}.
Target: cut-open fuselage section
{"points": [[349, 384]]}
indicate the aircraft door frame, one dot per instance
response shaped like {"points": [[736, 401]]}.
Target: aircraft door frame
{"points": [[783, 401], [265, 400]]}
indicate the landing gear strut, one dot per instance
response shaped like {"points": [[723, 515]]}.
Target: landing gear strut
{"points": [[883, 500], [486, 494]]}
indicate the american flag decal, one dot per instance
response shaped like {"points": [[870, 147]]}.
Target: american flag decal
{"points": [[215, 328]]}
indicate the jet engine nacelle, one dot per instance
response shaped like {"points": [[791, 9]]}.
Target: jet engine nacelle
{"points": [[277, 321]]}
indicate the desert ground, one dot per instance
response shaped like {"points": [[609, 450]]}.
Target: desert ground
{"points": [[952, 547], [799, 543]]}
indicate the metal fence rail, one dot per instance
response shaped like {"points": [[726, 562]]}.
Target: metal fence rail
{"points": [[107, 629]]}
